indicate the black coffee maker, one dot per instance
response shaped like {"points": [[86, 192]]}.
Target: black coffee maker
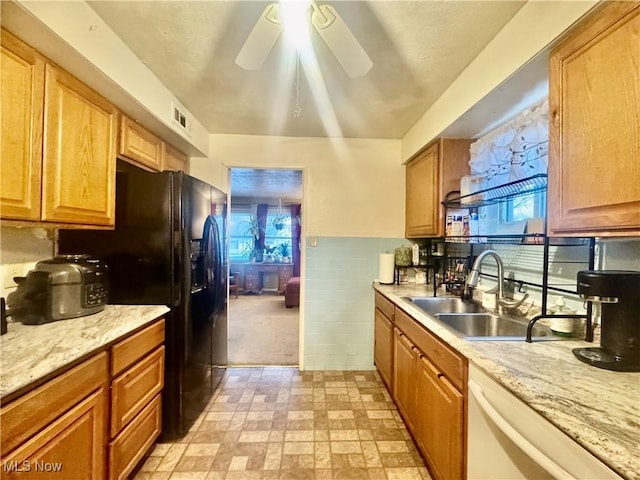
{"points": [[618, 292]]}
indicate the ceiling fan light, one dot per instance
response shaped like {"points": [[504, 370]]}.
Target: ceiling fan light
{"points": [[341, 41], [294, 15]]}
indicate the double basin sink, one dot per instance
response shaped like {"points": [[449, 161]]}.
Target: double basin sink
{"points": [[472, 321]]}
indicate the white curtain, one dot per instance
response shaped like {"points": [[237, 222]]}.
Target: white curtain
{"points": [[514, 151]]}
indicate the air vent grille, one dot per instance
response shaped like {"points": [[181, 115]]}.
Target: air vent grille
{"points": [[180, 118]]}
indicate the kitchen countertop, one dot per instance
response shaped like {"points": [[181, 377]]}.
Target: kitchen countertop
{"points": [[29, 353], [599, 409]]}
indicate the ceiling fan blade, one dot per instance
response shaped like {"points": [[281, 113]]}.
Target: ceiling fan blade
{"points": [[261, 40], [340, 40]]}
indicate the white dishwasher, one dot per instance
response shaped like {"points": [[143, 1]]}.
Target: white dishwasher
{"points": [[509, 440]]}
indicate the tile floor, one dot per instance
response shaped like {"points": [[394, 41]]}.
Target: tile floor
{"points": [[280, 423]]}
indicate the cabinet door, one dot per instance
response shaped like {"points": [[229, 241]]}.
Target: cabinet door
{"points": [[79, 148], [21, 116], [423, 194], [71, 447], [383, 347], [175, 160], [594, 141], [404, 366], [140, 145], [439, 421]]}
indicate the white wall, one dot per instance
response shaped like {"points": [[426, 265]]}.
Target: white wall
{"points": [[535, 26], [352, 187]]}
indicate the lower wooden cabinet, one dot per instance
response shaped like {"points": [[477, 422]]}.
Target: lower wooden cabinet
{"points": [[94, 421], [383, 339], [429, 387], [404, 371], [126, 450], [439, 417]]}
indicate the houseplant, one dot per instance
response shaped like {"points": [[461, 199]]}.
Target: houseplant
{"points": [[284, 251]]}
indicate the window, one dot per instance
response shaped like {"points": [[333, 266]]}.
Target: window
{"points": [[524, 207], [242, 232]]}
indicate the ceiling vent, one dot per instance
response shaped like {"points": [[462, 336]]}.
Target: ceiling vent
{"points": [[179, 117]]}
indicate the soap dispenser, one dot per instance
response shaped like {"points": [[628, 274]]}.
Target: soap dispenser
{"points": [[561, 325]]}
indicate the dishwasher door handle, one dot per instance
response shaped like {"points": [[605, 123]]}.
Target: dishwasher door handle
{"points": [[516, 437]]}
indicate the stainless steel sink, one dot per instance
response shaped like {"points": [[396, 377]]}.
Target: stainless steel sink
{"points": [[483, 326], [435, 305], [472, 321]]}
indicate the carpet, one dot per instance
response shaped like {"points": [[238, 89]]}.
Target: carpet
{"points": [[262, 331]]}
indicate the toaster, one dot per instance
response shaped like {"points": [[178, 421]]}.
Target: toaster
{"points": [[67, 286]]}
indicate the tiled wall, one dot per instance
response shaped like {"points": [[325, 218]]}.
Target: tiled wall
{"points": [[338, 312]]}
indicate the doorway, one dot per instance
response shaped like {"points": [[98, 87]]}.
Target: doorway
{"points": [[264, 225]]}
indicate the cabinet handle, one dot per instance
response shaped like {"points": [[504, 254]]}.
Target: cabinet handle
{"points": [[516, 437], [440, 374]]}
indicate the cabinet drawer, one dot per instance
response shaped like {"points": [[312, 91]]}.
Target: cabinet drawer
{"points": [[72, 446], [32, 412], [385, 305], [133, 442], [136, 346], [132, 390], [450, 362]]}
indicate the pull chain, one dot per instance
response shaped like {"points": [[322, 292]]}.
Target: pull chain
{"points": [[298, 110]]}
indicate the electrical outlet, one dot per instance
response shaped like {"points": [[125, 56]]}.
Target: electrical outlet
{"points": [[314, 241], [9, 271]]}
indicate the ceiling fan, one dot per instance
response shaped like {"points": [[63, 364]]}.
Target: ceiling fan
{"points": [[326, 21]]}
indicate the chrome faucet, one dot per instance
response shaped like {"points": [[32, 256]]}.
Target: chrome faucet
{"points": [[472, 280]]}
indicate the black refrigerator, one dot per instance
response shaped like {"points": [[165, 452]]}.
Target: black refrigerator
{"points": [[169, 248]]}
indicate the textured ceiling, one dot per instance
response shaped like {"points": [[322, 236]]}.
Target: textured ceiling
{"points": [[417, 48]]}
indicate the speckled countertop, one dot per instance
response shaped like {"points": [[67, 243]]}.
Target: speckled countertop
{"points": [[599, 409], [31, 352]]}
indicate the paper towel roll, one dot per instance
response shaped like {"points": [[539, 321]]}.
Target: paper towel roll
{"points": [[387, 268]]}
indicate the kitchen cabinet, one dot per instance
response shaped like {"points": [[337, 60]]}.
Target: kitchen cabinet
{"points": [[442, 442], [137, 369], [61, 424], [22, 97], [594, 138], [405, 358], [175, 160], [430, 175], [383, 339], [58, 143], [139, 146], [79, 170], [96, 420], [430, 391]]}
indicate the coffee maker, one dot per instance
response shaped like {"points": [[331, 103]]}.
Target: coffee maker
{"points": [[618, 292]]}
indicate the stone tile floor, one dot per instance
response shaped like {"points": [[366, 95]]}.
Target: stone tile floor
{"points": [[280, 423]]}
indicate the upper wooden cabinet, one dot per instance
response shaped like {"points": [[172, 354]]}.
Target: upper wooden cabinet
{"points": [[175, 160], [58, 147], [22, 96], [594, 138], [142, 148], [430, 176], [79, 170], [140, 145]]}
